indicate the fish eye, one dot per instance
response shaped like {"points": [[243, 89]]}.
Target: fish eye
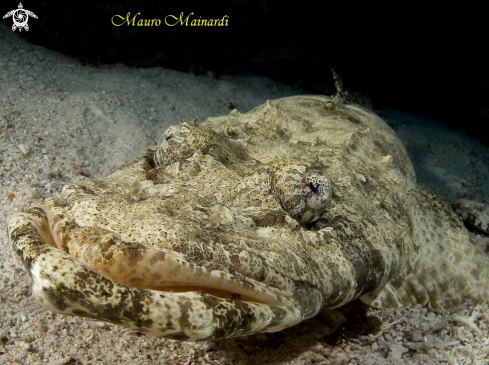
{"points": [[316, 188], [180, 142], [169, 133], [303, 192]]}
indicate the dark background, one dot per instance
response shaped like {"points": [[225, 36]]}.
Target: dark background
{"points": [[425, 59]]}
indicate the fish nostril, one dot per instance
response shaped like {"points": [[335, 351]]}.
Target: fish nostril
{"points": [[316, 188]]}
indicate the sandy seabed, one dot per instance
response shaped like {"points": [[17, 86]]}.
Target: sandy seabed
{"points": [[63, 122]]}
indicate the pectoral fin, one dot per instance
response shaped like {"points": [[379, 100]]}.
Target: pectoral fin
{"points": [[446, 265]]}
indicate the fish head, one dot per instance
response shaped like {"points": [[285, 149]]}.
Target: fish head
{"points": [[231, 227]]}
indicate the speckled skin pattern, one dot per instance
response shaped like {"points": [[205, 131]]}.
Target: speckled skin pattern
{"points": [[248, 223]]}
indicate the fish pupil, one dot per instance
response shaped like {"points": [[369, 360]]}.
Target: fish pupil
{"points": [[314, 188]]}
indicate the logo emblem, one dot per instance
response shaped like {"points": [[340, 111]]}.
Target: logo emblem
{"points": [[20, 17]]}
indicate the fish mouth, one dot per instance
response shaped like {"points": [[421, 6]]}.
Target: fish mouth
{"points": [[219, 293], [199, 301], [110, 253], [164, 270]]}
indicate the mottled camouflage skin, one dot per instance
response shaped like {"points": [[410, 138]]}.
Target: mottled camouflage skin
{"points": [[248, 223]]}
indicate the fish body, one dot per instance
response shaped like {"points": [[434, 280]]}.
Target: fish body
{"points": [[251, 223]]}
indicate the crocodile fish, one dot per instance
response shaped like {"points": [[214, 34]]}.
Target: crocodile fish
{"points": [[251, 223]]}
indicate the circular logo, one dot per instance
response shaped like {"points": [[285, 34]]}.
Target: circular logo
{"points": [[20, 17]]}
